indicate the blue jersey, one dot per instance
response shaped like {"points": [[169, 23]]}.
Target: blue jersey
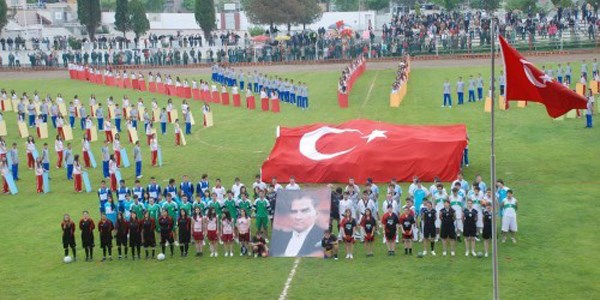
{"points": [[153, 191], [121, 193], [419, 195], [170, 189], [201, 187], [139, 191], [187, 188], [103, 194]]}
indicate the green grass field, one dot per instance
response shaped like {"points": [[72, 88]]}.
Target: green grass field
{"points": [[552, 166]]}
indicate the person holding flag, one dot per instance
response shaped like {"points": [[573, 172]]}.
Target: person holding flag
{"points": [[39, 176], [59, 149], [77, 171], [590, 109]]}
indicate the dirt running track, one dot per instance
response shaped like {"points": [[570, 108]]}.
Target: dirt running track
{"points": [[375, 65]]}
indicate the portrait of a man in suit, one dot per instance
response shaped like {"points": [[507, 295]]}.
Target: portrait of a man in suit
{"points": [[300, 230]]}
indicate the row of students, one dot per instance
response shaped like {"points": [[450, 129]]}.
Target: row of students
{"points": [[137, 233]]}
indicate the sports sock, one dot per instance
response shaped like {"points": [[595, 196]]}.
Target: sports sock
{"points": [[119, 250], [139, 250], [125, 250], [74, 253], [146, 253], [153, 252], [110, 251], [87, 252], [66, 251], [172, 247], [432, 245], [91, 252], [164, 248], [187, 247], [181, 249], [104, 251]]}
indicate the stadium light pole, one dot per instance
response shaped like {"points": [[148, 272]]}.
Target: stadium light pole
{"points": [[493, 167]]}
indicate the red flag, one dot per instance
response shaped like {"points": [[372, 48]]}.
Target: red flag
{"points": [[524, 82], [323, 153]]}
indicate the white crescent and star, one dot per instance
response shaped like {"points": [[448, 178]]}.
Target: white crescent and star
{"points": [[529, 74], [308, 142]]}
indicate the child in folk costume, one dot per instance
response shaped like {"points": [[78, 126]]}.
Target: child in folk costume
{"points": [[177, 133], [117, 149], [60, 123], [113, 167], [108, 131], [85, 151], [59, 149], [154, 150], [163, 121], [149, 133], [250, 101], [77, 171], [29, 149], [169, 110], [39, 176]]}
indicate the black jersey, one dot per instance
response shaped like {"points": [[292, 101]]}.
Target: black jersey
{"points": [[470, 217], [348, 226], [390, 220], [368, 224], [328, 243], [487, 219], [407, 221], [448, 216], [429, 217]]}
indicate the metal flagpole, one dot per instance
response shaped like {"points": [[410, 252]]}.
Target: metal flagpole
{"points": [[493, 168]]}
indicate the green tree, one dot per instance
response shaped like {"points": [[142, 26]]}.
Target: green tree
{"points": [[377, 4], [155, 6], [264, 12], [204, 12], [122, 21], [310, 11], [448, 5], [88, 12], [189, 4], [522, 5], [487, 5], [346, 5], [138, 19], [3, 12], [563, 3]]}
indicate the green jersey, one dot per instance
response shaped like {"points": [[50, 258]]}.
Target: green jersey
{"points": [[171, 209], [138, 209], [154, 211], [246, 205], [261, 206], [217, 208], [187, 207], [231, 207], [200, 205]]}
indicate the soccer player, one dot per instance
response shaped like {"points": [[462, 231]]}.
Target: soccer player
{"points": [[470, 227], [330, 245], [165, 223], [447, 96], [243, 231], [122, 229], [509, 219], [184, 224], [447, 217], [390, 222], [369, 226], [456, 201], [487, 227], [407, 220], [230, 205], [105, 228], [227, 226], [261, 207], [212, 230], [135, 235], [87, 226], [348, 231], [68, 235], [259, 245], [429, 217], [148, 237]]}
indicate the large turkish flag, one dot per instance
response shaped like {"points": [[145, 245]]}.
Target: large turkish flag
{"points": [[323, 153], [525, 82]]}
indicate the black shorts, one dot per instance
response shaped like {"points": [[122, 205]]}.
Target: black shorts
{"points": [[166, 237], [487, 233], [429, 232], [390, 236], [470, 231], [135, 240], [122, 240], [106, 240], [184, 236], [149, 240], [68, 241], [87, 240], [448, 232]]}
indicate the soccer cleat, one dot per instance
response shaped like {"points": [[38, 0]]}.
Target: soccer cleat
{"points": [[486, 255], [504, 240], [444, 253], [216, 254], [176, 244], [443, 106], [476, 238], [473, 253], [433, 253], [467, 253], [241, 254], [514, 240], [212, 255], [226, 254], [424, 253], [335, 258], [452, 253], [231, 254]]}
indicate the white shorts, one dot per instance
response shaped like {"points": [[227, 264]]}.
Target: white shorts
{"points": [[479, 223], [509, 223]]}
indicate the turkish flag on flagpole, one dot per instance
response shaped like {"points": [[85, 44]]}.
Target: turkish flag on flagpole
{"points": [[324, 153], [524, 82]]}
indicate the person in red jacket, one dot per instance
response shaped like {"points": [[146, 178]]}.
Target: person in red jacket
{"points": [[148, 237], [122, 228], [106, 227], [68, 237], [87, 226], [135, 235]]}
